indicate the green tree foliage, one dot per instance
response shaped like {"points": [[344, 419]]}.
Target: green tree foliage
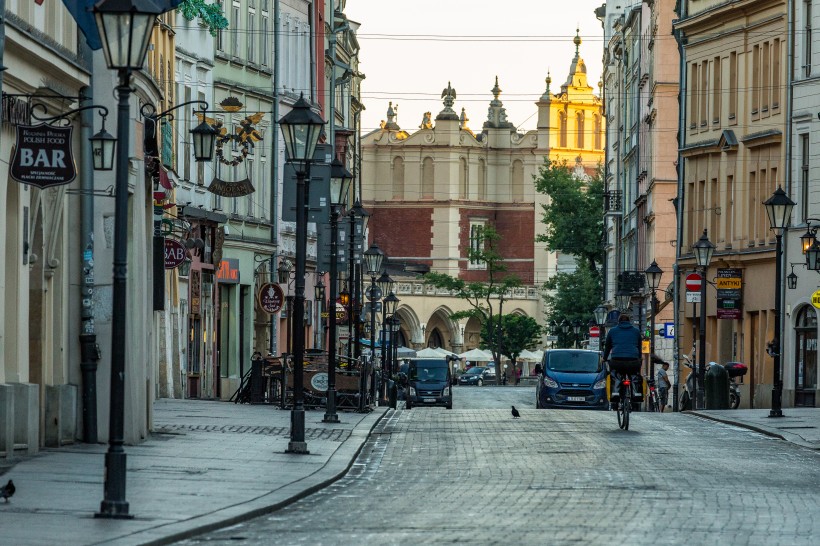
{"points": [[574, 217], [515, 333], [210, 14], [572, 296], [481, 296]]}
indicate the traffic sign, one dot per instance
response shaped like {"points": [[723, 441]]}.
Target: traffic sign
{"points": [[815, 299], [594, 331], [692, 297], [693, 282]]}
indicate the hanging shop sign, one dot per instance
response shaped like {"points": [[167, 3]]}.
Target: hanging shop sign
{"points": [[175, 253], [729, 283], [42, 156], [271, 298]]}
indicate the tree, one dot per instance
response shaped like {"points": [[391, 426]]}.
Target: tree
{"points": [[519, 332], [480, 295], [574, 226], [210, 14], [575, 214]]}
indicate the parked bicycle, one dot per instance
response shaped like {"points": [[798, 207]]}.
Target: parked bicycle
{"points": [[652, 402]]}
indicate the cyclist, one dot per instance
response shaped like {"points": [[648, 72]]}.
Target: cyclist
{"points": [[623, 351]]}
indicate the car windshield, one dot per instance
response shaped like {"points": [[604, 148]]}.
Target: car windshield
{"points": [[573, 362], [474, 371], [423, 373]]}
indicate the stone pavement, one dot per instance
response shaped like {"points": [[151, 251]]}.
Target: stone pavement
{"points": [[208, 464], [799, 426]]}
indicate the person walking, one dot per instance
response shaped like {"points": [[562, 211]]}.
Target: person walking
{"points": [[662, 382]]}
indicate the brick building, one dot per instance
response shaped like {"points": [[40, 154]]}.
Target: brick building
{"points": [[432, 191]]}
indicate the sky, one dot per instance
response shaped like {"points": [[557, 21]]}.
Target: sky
{"points": [[411, 49]]}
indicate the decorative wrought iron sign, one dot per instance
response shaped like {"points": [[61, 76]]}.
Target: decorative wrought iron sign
{"points": [[271, 298], [42, 156]]}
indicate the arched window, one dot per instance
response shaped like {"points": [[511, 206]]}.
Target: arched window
{"points": [[482, 180], [805, 365], [398, 178], [517, 181], [427, 178], [463, 185], [598, 132], [435, 340], [563, 136], [579, 128]]}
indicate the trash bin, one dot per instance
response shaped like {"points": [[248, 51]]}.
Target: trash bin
{"points": [[716, 387], [392, 393]]}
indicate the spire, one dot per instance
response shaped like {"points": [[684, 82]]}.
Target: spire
{"points": [[497, 115], [577, 41], [463, 119], [547, 93], [578, 69]]}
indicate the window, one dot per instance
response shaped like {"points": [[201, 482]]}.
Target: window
{"points": [[693, 97], [563, 136], [263, 39], [251, 35], [476, 245], [766, 89], [755, 80], [517, 181], [463, 189], [804, 176], [776, 75], [249, 198], [262, 189], [704, 92], [186, 138], [235, 24], [427, 178], [714, 212], [731, 223], [398, 178], [717, 97], [579, 127], [200, 165], [733, 86], [220, 46], [482, 180], [807, 43], [598, 131]]}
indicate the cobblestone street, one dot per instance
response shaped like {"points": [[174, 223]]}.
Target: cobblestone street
{"points": [[478, 476]]}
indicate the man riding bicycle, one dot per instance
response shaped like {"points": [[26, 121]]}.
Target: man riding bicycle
{"points": [[623, 351]]}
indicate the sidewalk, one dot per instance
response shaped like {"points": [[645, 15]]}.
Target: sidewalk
{"points": [[208, 465], [799, 426]]}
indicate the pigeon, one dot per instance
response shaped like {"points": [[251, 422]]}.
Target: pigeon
{"points": [[7, 491], [515, 413]]}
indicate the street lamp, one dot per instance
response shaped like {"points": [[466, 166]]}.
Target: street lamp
{"points": [[390, 303], [373, 258], [623, 298], [576, 329], [385, 284], [300, 130], [340, 179], [779, 209], [125, 29], [653, 275], [703, 250]]}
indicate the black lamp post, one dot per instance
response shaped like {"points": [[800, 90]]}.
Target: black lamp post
{"points": [[395, 326], [703, 254], [340, 179], [373, 257], [358, 228], [600, 314], [653, 275], [623, 299], [125, 29], [319, 298], [385, 284], [300, 130], [576, 329], [779, 209]]}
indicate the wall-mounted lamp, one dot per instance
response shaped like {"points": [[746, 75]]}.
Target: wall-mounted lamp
{"points": [[791, 279]]}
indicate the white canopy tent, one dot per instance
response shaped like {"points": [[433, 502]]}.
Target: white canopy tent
{"points": [[477, 355], [430, 352]]}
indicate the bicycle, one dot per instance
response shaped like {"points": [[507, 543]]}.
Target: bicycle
{"points": [[652, 404], [624, 402]]}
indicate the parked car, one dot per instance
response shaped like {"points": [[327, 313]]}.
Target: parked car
{"points": [[429, 383], [489, 372], [473, 376], [572, 378]]}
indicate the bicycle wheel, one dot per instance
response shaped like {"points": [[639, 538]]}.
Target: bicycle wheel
{"points": [[626, 405]]}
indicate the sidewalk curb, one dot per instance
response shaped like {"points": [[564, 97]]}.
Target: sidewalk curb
{"points": [[785, 436], [337, 466]]}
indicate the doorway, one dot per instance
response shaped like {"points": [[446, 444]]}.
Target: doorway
{"points": [[805, 365]]}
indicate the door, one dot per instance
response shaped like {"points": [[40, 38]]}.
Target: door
{"points": [[805, 365]]}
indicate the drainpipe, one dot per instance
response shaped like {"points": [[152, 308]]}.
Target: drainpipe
{"points": [[679, 208], [89, 349], [788, 151], [312, 49], [274, 175]]}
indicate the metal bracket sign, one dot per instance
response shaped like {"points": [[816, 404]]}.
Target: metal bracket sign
{"points": [[42, 156]]}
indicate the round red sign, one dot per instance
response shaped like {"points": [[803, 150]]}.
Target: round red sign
{"points": [[175, 253], [594, 331], [693, 282], [271, 298]]}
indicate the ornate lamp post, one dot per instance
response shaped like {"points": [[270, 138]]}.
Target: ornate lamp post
{"points": [[300, 130], [600, 313], [390, 303], [653, 275], [319, 298], [385, 284], [779, 209], [125, 29], [703, 254], [340, 179], [373, 257], [576, 329], [623, 299]]}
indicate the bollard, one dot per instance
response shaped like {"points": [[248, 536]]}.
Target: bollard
{"points": [[716, 386]]}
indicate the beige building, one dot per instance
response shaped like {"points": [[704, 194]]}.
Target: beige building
{"points": [[732, 159], [431, 191]]}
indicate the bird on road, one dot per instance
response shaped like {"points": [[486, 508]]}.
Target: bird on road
{"points": [[7, 491], [515, 413]]}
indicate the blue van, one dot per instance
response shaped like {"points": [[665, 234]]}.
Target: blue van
{"points": [[572, 378], [429, 383]]}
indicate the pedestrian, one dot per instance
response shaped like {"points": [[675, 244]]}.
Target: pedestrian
{"points": [[663, 384]]}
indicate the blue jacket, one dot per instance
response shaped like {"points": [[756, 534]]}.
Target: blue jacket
{"points": [[623, 341]]}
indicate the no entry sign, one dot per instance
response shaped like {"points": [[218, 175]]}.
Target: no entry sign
{"points": [[594, 331], [693, 282]]}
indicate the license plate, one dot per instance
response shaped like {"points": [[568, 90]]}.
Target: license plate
{"points": [[576, 398], [426, 400]]}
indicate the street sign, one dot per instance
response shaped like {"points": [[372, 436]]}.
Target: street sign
{"points": [[175, 253], [645, 347], [669, 330], [594, 331], [594, 344], [729, 293], [692, 297], [693, 282], [271, 297], [815, 299]]}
